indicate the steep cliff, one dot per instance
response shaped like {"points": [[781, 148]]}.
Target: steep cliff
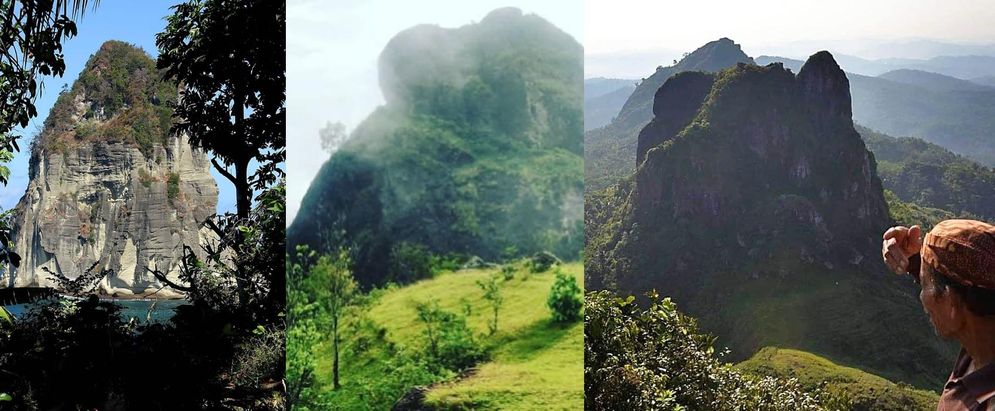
{"points": [[610, 151], [477, 151], [109, 185], [761, 212]]}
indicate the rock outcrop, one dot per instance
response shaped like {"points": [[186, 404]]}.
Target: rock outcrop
{"points": [[109, 186], [612, 152], [760, 211]]}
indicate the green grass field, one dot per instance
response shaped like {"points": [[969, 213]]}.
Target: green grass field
{"points": [[533, 362], [866, 391]]}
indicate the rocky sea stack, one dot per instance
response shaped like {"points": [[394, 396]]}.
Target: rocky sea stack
{"points": [[109, 187], [757, 206]]}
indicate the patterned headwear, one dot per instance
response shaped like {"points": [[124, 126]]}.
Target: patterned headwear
{"points": [[963, 251]]}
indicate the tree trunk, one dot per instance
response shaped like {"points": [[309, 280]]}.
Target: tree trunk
{"points": [[335, 350]]}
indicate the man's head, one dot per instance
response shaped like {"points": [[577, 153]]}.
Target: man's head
{"points": [[958, 275]]}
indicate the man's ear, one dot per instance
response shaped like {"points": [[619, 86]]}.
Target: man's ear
{"points": [[955, 307]]}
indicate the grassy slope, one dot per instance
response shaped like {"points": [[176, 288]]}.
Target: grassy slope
{"points": [[867, 391], [533, 363]]}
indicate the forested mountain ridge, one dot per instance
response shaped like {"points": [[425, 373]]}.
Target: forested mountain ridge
{"points": [[761, 214], [477, 151]]}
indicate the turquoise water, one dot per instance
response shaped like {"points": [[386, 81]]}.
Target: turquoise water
{"points": [[130, 308]]}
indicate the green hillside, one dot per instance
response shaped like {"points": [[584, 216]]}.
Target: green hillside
{"points": [[865, 391], [532, 363], [928, 175], [477, 152]]}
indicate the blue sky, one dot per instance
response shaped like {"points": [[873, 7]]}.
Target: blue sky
{"points": [[135, 22]]}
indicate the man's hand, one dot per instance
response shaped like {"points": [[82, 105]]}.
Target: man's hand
{"points": [[899, 244]]}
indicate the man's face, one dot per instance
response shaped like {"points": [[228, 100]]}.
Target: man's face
{"points": [[940, 305]]}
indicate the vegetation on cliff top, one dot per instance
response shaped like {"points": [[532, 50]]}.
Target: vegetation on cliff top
{"points": [[120, 97]]}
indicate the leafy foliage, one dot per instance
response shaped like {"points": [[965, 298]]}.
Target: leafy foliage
{"points": [[492, 293], [410, 262], [655, 358], [931, 176], [450, 343], [565, 299], [230, 58]]}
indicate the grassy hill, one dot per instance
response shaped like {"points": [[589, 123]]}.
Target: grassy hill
{"points": [[866, 391], [532, 362]]}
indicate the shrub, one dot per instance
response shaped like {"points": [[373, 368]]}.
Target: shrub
{"points": [[565, 299], [508, 271], [409, 262], [655, 358], [173, 186], [258, 358], [450, 343]]}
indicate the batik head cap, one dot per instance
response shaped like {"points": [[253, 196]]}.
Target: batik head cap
{"points": [[963, 251]]}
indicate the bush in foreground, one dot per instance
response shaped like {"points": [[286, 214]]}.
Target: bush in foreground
{"points": [[565, 299], [655, 358]]}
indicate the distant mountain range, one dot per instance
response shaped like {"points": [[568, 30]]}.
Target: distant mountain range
{"points": [[931, 99]]}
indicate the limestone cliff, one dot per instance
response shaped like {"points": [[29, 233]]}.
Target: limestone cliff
{"points": [[109, 185]]}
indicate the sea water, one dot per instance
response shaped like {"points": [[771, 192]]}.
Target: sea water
{"points": [[139, 309]]}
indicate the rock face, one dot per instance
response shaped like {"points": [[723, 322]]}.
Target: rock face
{"points": [[101, 191], [612, 152], [760, 211], [771, 157]]}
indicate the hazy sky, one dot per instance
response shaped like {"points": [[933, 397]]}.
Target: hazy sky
{"points": [[332, 50], [135, 22], [793, 28]]}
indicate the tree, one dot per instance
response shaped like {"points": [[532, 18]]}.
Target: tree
{"points": [[332, 136], [302, 332], [333, 287], [229, 58], [492, 293]]}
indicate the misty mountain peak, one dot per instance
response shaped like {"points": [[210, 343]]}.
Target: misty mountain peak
{"points": [[502, 14]]}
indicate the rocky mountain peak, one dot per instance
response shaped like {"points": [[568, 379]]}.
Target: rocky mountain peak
{"points": [[119, 96], [825, 86], [714, 56], [765, 191], [109, 187], [674, 106]]}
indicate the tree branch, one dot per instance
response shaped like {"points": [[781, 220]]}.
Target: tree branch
{"points": [[162, 277], [223, 170]]}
